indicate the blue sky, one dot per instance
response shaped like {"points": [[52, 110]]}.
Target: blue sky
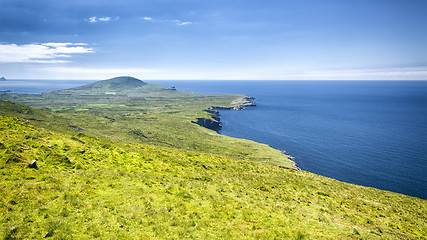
{"points": [[217, 39]]}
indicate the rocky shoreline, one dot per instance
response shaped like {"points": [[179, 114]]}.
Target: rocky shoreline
{"points": [[215, 123], [244, 102]]}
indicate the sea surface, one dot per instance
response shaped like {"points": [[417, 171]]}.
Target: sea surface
{"points": [[39, 86], [371, 133]]}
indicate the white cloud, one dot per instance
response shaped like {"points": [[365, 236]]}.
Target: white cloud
{"points": [[105, 19], [183, 23], [41, 52], [92, 19], [175, 21], [179, 22], [54, 44], [95, 19]]}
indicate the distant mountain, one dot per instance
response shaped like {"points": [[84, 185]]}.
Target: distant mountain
{"points": [[2, 79], [117, 86], [113, 84]]}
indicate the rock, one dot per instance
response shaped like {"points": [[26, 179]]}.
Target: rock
{"points": [[77, 128], [110, 118], [2, 79], [33, 164], [209, 123], [48, 234], [138, 133], [245, 102], [214, 113], [295, 166]]}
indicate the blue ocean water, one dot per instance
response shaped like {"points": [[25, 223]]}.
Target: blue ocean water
{"points": [[371, 133], [39, 86]]}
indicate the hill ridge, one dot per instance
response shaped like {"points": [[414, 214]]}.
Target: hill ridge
{"points": [[113, 84]]}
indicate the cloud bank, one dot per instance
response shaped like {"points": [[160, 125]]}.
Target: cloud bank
{"points": [[51, 52]]}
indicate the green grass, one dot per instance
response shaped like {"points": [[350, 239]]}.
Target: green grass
{"points": [[134, 191], [133, 165], [160, 117]]}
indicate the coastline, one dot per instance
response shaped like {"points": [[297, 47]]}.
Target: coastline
{"points": [[215, 123]]}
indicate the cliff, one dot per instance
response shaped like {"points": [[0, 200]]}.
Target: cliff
{"points": [[215, 123]]}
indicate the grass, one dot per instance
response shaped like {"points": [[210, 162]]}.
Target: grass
{"points": [[132, 165], [160, 116], [123, 190]]}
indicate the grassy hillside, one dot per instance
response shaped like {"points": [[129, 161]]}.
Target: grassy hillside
{"points": [[129, 110], [86, 187], [122, 83], [124, 159]]}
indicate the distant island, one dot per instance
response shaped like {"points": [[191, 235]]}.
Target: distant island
{"points": [[2, 79]]}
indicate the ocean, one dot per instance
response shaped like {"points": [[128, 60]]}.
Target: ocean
{"points": [[39, 86], [371, 133]]}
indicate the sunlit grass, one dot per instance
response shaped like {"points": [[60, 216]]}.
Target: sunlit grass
{"points": [[161, 117], [87, 187], [133, 165]]}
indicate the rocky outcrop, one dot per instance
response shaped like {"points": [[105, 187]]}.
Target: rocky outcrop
{"points": [[245, 102], [295, 166], [209, 123], [77, 128], [170, 89], [33, 164], [2, 79], [138, 133], [214, 113], [215, 123]]}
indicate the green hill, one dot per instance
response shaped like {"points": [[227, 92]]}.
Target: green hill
{"points": [[114, 84], [87, 187], [118, 85]]}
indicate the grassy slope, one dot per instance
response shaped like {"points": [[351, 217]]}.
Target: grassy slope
{"points": [[146, 114], [131, 191]]}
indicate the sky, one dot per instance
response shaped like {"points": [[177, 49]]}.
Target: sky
{"points": [[214, 40]]}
